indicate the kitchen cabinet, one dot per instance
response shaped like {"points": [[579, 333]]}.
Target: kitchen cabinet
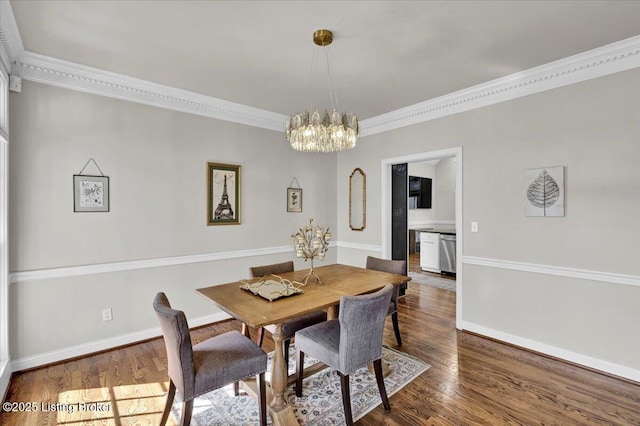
{"points": [[430, 251]]}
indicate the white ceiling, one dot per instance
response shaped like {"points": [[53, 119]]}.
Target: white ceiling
{"points": [[386, 54]]}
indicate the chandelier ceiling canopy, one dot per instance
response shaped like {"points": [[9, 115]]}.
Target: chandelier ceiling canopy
{"points": [[329, 132]]}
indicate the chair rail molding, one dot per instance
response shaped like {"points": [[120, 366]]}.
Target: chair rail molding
{"points": [[101, 268], [559, 271], [612, 58], [359, 246]]}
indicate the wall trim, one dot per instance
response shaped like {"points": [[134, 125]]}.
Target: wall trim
{"points": [[359, 246], [605, 60], [421, 224], [574, 357], [104, 344], [584, 274], [612, 58], [11, 46], [385, 208], [5, 377], [101, 268], [57, 72]]}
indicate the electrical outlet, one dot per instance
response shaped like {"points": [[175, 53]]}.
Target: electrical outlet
{"points": [[474, 226], [107, 314]]}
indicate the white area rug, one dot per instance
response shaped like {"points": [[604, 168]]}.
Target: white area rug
{"points": [[322, 401], [432, 280]]}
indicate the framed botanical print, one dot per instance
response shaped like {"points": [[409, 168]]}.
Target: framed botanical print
{"points": [[223, 194], [294, 200], [90, 193]]}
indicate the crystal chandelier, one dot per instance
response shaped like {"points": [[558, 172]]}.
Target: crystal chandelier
{"points": [[329, 132]]}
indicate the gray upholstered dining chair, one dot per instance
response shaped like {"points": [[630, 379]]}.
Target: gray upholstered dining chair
{"points": [[289, 327], [394, 267], [348, 343], [209, 365]]}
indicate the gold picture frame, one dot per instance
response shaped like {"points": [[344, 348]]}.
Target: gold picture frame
{"points": [[223, 194]]}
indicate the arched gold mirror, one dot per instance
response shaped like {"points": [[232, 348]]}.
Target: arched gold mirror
{"points": [[357, 200]]}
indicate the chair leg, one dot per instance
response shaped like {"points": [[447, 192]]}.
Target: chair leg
{"points": [[187, 412], [167, 407], [262, 400], [346, 399], [299, 372], [377, 367], [396, 328], [260, 336], [285, 348]]}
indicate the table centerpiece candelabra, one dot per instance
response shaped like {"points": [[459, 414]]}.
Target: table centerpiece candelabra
{"points": [[310, 242]]}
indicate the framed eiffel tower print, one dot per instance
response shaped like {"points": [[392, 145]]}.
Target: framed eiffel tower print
{"points": [[223, 194]]}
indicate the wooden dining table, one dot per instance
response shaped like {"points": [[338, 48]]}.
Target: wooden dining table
{"points": [[255, 311]]}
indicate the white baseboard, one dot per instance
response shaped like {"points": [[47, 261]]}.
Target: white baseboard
{"points": [[5, 376], [574, 357], [104, 344]]}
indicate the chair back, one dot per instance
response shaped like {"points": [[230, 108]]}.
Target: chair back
{"points": [[276, 268], [177, 340], [391, 266], [361, 328], [386, 265]]}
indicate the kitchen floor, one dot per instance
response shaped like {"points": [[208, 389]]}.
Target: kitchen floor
{"points": [[414, 266]]}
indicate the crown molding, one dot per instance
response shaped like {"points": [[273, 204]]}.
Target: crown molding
{"points": [[609, 59], [57, 72], [10, 39]]}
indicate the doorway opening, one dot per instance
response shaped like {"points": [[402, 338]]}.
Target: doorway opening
{"points": [[388, 213]]}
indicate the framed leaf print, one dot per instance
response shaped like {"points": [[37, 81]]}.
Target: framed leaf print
{"points": [[544, 194]]}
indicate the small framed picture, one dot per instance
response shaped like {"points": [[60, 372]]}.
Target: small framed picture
{"points": [[294, 200], [223, 194], [90, 193]]}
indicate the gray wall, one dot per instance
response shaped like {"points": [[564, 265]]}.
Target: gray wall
{"points": [[593, 129], [156, 160], [445, 190]]}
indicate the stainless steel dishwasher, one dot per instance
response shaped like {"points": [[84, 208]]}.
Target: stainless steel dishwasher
{"points": [[448, 253]]}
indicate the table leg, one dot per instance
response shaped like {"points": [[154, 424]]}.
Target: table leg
{"points": [[278, 371], [332, 312], [245, 330]]}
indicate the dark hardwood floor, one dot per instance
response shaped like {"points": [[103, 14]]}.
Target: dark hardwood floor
{"points": [[472, 380]]}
